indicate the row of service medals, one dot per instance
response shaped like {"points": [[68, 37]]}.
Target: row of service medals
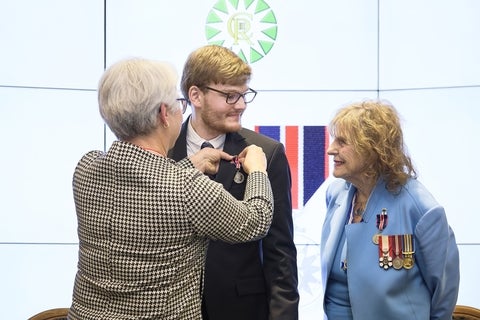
{"points": [[393, 250]]}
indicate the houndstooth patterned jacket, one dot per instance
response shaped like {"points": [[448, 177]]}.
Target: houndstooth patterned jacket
{"points": [[143, 225]]}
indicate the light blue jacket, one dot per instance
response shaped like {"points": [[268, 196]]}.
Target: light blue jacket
{"points": [[427, 291]]}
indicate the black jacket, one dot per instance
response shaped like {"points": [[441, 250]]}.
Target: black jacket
{"points": [[254, 280]]}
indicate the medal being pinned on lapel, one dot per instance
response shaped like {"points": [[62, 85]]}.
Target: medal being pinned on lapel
{"points": [[239, 177]]}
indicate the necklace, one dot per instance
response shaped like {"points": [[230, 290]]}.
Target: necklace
{"points": [[358, 207], [357, 211]]}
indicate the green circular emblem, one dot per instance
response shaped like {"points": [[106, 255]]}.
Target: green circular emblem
{"points": [[248, 27]]}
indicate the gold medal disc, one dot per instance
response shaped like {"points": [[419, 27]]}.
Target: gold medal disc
{"points": [[397, 263], [408, 262]]}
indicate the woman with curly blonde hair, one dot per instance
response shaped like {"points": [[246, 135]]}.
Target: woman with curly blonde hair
{"points": [[387, 249]]}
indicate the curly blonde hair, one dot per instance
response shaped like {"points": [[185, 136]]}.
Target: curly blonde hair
{"points": [[373, 128]]}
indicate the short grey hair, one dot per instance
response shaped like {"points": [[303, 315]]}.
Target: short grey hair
{"points": [[130, 93]]}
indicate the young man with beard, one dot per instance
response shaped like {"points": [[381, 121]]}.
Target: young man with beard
{"points": [[255, 280]]}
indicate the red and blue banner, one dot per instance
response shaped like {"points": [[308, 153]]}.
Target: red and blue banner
{"points": [[306, 148]]}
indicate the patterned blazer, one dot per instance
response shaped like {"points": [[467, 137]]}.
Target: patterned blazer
{"points": [[143, 224], [256, 280]]}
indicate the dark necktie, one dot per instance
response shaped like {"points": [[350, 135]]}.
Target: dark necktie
{"points": [[207, 144]]}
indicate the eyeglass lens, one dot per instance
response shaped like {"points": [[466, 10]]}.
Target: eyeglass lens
{"points": [[233, 97], [183, 104]]}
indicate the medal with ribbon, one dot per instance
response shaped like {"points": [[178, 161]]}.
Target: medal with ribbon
{"points": [[382, 220], [398, 256], [408, 251], [385, 251], [239, 177], [396, 251]]}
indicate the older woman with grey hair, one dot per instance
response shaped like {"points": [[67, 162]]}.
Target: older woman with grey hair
{"points": [[144, 220]]}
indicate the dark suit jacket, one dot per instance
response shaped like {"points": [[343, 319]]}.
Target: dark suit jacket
{"points": [[255, 280]]}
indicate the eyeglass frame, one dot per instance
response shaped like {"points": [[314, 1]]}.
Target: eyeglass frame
{"points": [[229, 94], [183, 103]]}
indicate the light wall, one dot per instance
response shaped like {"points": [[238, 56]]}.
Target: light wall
{"points": [[423, 56]]}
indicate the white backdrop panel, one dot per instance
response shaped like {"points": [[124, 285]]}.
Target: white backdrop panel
{"points": [[36, 277], [320, 44], [441, 130], [45, 134], [430, 43], [307, 108], [468, 292], [51, 43]]}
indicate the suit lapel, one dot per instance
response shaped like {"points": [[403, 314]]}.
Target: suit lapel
{"points": [[179, 150], [332, 231]]}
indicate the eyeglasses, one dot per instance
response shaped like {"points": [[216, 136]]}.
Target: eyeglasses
{"points": [[233, 97], [183, 103]]}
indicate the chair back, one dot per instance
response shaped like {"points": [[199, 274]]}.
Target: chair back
{"points": [[466, 313], [51, 314]]}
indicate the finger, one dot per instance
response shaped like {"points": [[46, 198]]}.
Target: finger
{"points": [[226, 156]]}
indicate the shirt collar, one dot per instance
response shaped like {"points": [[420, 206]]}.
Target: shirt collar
{"points": [[194, 141]]}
